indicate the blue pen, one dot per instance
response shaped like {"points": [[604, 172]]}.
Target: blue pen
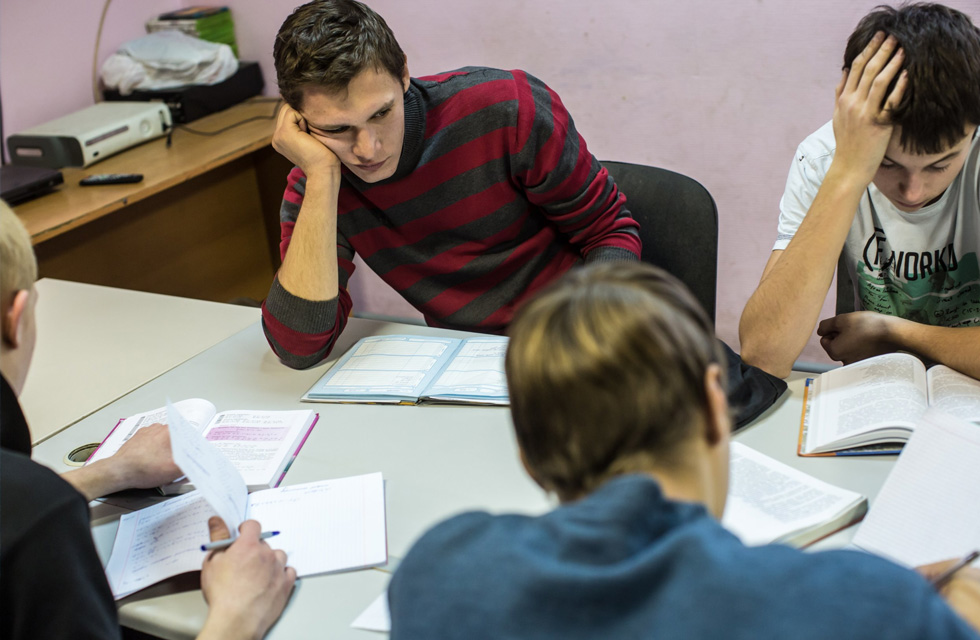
{"points": [[221, 544]]}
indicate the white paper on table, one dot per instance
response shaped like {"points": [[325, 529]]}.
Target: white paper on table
{"points": [[327, 525], [376, 617], [214, 476], [176, 528], [927, 509]]}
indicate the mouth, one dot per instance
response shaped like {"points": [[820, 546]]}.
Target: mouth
{"points": [[370, 168], [911, 205]]}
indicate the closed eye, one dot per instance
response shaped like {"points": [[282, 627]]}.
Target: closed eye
{"points": [[329, 132]]}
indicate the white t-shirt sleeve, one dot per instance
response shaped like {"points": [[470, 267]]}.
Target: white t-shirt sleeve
{"points": [[806, 174]]}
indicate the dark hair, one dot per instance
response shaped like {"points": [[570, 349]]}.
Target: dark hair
{"points": [[606, 371], [326, 43], [942, 57]]}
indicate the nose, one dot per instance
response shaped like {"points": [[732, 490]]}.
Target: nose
{"points": [[365, 144], [912, 187]]}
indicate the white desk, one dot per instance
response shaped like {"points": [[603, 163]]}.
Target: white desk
{"points": [[97, 343], [437, 461]]}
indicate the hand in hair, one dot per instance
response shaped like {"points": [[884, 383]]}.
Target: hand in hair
{"points": [[293, 140], [862, 127]]}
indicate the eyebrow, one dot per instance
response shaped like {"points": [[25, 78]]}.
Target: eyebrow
{"points": [[946, 157], [384, 107]]}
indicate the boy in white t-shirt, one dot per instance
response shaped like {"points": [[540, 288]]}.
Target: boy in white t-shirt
{"points": [[892, 182]]}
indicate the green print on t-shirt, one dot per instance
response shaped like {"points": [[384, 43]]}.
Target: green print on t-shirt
{"points": [[934, 296]]}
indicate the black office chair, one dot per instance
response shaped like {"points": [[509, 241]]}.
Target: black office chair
{"points": [[678, 225]]}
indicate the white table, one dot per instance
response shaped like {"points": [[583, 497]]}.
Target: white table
{"points": [[96, 344], [437, 461]]}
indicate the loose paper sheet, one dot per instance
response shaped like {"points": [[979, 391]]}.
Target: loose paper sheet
{"points": [[214, 476], [376, 617], [927, 509]]}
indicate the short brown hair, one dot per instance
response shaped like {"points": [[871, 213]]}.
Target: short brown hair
{"points": [[606, 371], [326, 43], [18, 266], [942, 57]]}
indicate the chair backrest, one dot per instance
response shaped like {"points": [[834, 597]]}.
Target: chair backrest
{"points": [[678, 225]]}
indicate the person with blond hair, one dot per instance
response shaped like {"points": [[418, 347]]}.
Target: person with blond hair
{"points": [[53, 585], [619, 407]]}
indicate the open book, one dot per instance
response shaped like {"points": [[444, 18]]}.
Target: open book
{"points": [[871, 407], [927, 509], [769, 501], [406, 369], [261, 444], [324, 526]]}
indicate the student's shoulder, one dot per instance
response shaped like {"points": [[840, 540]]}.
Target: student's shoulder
{"points": [[459, 544], [817, 149], [31, 493], [501, 83], [460, 535]]}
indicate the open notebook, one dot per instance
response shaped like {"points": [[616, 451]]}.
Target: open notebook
{"points": [[325, 526]]}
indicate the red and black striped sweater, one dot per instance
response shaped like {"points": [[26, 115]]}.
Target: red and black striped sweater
{"points": [[495, 196]]}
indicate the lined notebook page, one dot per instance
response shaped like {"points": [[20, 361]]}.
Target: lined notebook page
{"points": [[927, 509], [325, 526], [158, 542]]}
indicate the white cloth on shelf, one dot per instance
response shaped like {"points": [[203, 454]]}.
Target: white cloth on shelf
{"points": [[167, 59]]}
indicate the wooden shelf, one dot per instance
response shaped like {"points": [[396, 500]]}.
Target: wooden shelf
{"points": [[202, 224]]}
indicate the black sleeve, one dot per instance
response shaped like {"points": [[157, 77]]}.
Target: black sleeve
{"points": [[53, 583]]}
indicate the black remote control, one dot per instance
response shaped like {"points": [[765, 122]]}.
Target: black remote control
{"points": [[110, 178]]}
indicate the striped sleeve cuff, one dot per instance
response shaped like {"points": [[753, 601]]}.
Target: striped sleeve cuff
{"points": [[610, 254], [300, 314]]}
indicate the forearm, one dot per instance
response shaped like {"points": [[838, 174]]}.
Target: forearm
{"points": [[955, 347], [97, 479], [781, 315], [219, 626], [309, 268]]}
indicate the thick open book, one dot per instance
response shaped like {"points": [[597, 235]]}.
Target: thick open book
{"points": [[325, 526], [769, 501], [406, 369], [261, 444], [871, 407], [927, 509]]}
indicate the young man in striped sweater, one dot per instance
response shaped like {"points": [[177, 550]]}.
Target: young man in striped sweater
{"points": [[465, 191]]}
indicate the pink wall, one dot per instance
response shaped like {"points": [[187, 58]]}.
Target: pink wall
{"points": [[46, 49], [721, 91]]}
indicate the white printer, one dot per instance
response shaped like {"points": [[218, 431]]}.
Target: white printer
{"points": [[89, 135]]}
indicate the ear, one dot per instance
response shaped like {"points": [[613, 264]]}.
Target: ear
{"points": [[406, 78], [718, 424], [13, 317]]}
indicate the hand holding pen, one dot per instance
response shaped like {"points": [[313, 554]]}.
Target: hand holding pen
{"points": [[959, 585], [940, 580], [246, 585], [227, 542]]}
